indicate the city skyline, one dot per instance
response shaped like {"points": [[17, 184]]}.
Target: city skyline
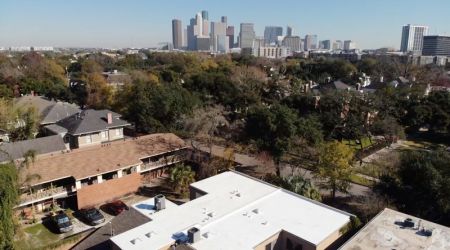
{"points": [[143, 24]]}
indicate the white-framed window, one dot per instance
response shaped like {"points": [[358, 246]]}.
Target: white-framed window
{"points": [[88, 138], [103, 134]]}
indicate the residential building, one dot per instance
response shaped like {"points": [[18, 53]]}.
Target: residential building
{"points": [[49, 111], [391, 229], [246, 36], [42, 48], [234, 211], [117, 79], [412, 38], [230, 34], [349, 45], [87, 177], [12, 151], [294, 43], [310, 42], [90, 127], [436, 46], [274, 52], [289, 31], [177, 34], [271, 34]]}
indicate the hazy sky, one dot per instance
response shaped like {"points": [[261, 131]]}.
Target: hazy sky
{"points": [[145, 23]]}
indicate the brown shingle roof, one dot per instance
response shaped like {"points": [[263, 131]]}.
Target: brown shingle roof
{"points": [[82, 163]]}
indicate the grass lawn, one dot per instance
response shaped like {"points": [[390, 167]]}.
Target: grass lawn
{"points": [[40, 237], [352, 143], [361, 180]]}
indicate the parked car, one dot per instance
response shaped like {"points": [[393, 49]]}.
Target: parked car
{"points": [[92, 216], [62, 222], [115, 207]]}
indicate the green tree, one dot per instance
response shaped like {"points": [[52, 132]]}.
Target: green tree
{"points": [[8, 199], [180, 177], [334, 166], [296, 184], [272, 129]]}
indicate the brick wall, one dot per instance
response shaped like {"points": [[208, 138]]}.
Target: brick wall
{"points": [[108, 190]]}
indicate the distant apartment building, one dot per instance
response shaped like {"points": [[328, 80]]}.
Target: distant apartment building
{"points": [[349, 45], [117, 79], [234, 211], [42, 48], [294, 43], [310, 42], [246, 35], [271, 34], [436, 46], [273, 52], [177, 34], [327, 44], [412, 38]]}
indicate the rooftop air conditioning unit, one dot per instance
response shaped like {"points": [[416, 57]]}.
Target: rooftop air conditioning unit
{"points": [[160, 202], [193, 235]]}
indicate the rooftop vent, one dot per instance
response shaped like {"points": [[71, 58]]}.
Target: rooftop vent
{"points": [[256, 211], [194, 235], [160, 202], [408, 223]]}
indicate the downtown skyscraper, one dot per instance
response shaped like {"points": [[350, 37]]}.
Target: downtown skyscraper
{"points": [[271, 34], [177, 34], [246, 35], [412, 38]]}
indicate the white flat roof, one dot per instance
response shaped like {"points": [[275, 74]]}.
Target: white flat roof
{"points": [[238, 212], [387, 231]]}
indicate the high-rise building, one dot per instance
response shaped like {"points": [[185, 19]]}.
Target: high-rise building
{"points": [[271, 34], [177, 34], [327, 44], [349, 45], [310, 42], [246, 35], [436, 46], [412, 38], [217, 29], [203, 43], [289, 31], [224, 19], [222, 43], [230, 34], [338, 45], [293, 43], [185, 38], [194, 30], [205, 15]]}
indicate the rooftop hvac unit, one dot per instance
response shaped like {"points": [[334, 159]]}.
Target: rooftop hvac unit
{"points": [[160, 202], [193, 235], [408, 223]]}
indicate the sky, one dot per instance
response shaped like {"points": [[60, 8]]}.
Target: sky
{"points": [[147, 23]]}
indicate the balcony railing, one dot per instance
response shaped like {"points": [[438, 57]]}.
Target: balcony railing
{"points": [[43, 194], [161, 162]]}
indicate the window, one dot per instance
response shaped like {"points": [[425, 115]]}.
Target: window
{"points": [[269, 246], [103, 133], [88, 139]]}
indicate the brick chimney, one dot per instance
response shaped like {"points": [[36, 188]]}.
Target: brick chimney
{"points": [[109, 118]]}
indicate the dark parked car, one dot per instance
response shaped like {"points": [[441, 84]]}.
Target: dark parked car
{"points": [[62, 222], [115, 207], [92, 216]]}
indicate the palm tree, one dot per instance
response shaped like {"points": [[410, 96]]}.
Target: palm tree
{"points": [[180, 177]]}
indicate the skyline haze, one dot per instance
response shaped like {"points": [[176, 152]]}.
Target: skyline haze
{"points": [[118, 23]]}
